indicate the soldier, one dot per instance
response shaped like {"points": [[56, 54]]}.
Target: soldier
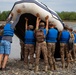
{"points": [[40, 35], [29, 45], [64, 38], [74, 45], [51, 40], [1, 33], [6, 42], [22, 49], [71, 44]]}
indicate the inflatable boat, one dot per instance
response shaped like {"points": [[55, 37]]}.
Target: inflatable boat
{"points": [[29, 9]]}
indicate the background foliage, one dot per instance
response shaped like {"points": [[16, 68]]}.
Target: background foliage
{"points": [[67, 16], [3, 15]]}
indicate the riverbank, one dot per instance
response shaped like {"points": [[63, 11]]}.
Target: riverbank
{"points": [[17, 68]]}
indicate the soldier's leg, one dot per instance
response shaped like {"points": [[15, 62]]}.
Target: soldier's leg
{"points": [[31, 50], [62, 55], [31, 53], [75, 47], [45, 55], [70, 55], [53, 52], [74, 52], [67, 56], [23, 53], [1, 55], [22, 57], [26, 54], [38, 51], [49, 46]]}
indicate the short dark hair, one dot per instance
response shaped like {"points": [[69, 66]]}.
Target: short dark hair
{"points": [[42, 24], [1, 27]]}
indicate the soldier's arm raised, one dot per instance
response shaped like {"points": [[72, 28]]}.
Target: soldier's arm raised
{"points": [[37, 21], [46, 19], [26, 24], [60, 32]]}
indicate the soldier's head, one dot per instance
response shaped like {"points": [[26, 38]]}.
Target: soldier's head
{"points": [[66, 27], [31, 27], [1, 27], [42, 25], [70, 29], [51, 25], [74, 31]]}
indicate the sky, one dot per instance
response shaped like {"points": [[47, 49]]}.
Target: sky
{"points": [[56, 5]]}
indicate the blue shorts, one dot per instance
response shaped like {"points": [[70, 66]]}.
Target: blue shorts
{"points": [[5, 47]]}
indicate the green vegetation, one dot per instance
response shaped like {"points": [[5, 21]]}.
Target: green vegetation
{"points": [[4, 15], [67, 16]]}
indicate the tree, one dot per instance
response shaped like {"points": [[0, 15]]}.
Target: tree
{"points": [[4, 15]]}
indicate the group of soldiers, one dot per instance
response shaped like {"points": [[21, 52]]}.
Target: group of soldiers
{"points": [[35, 42], [43, 39]]}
